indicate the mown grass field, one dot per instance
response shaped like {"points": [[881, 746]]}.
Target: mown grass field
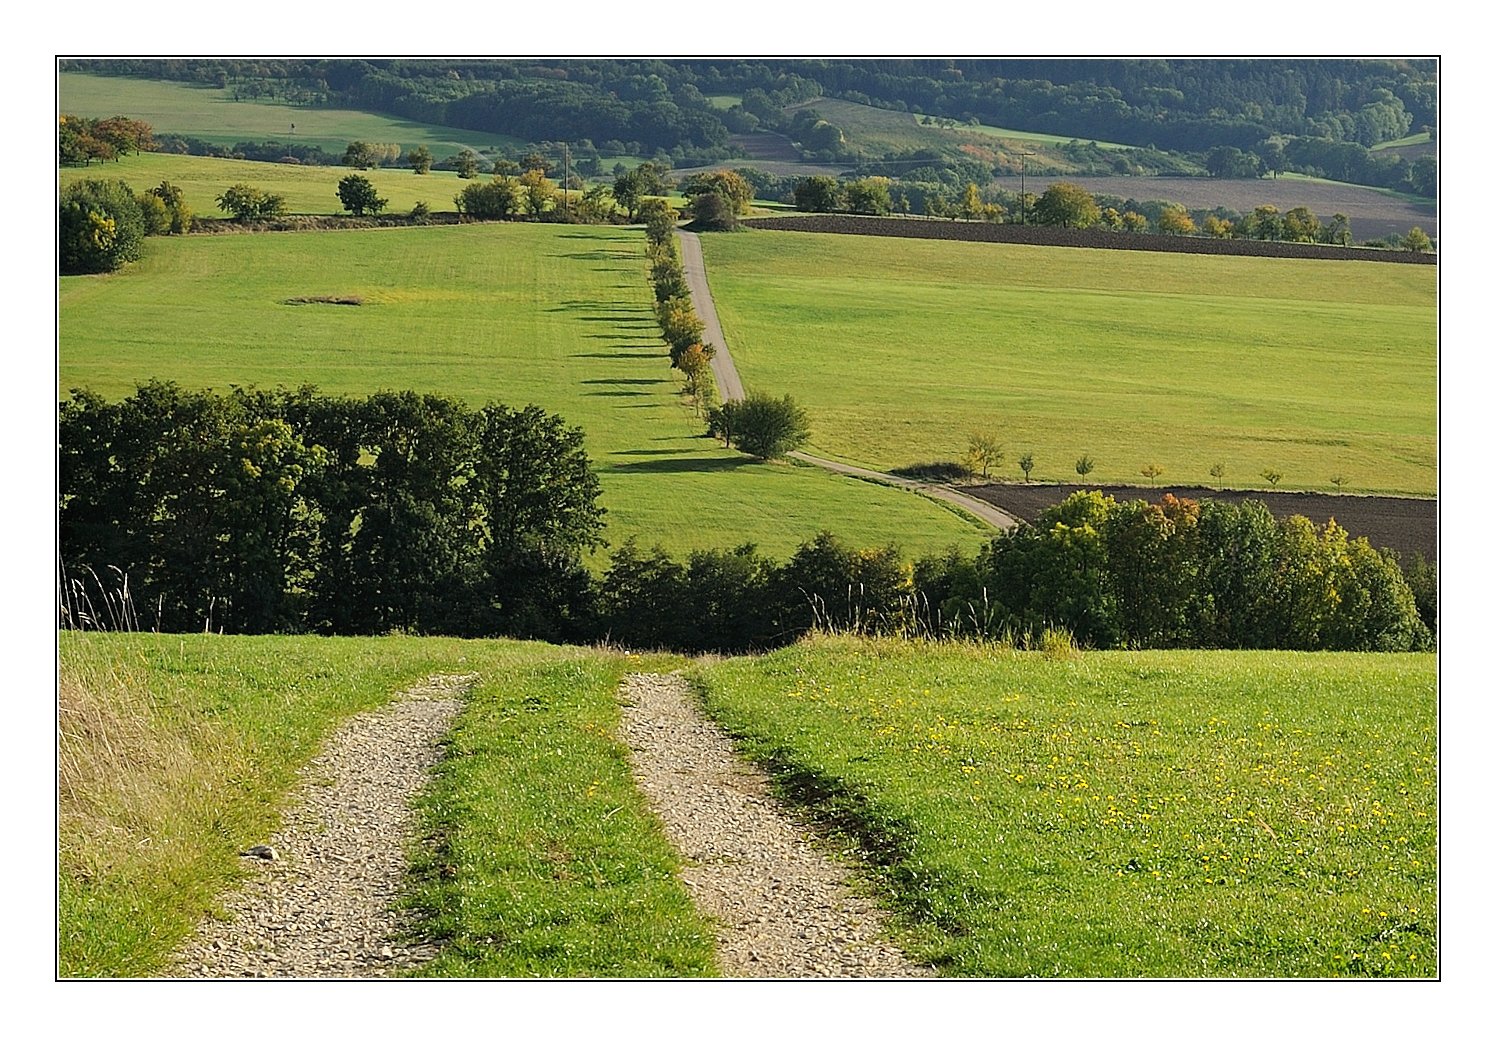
{"points": [[880, 131], [1119, 814], [308, 190], [901, 348], [177, 752], [212, 114], [557, 316]]}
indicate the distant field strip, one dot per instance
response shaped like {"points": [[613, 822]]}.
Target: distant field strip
{"points": [[212, 114], [900, 348], [518, 313]]}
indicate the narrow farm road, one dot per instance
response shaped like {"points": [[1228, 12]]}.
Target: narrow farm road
{"points": [[785, 909], [730, 386], [324, 906]]}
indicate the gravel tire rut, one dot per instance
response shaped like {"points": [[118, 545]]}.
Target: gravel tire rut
{"points": [[785, 909], [325, 907]]}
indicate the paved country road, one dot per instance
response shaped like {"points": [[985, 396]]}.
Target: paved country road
{"points": [[730, 386]]}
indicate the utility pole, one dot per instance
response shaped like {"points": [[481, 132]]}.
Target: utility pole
{"points": [[1022, 186]]}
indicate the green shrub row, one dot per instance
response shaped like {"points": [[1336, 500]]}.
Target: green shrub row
{"points": [[289, 511]]}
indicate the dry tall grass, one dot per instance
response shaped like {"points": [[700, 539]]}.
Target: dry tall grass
{"points": [[122, 772]]}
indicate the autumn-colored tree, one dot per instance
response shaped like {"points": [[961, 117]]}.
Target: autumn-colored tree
{"points": [[1218, 473], [1417, 240], [1066, 205], [1175, 219], [1152, 471], [983, 453], [539, 192], [1272, 475], [1134, 222]]}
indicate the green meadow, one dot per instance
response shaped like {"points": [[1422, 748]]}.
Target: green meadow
{"points": [[901, 348], [212, 114], [1115, 813], [552, 315]]}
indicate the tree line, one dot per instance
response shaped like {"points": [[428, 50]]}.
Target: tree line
{"points": [[291, 511]]}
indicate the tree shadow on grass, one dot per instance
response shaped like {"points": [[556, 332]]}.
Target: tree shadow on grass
{"points": [[616, 392], [624, 381], [666, 465], [616, 356]]}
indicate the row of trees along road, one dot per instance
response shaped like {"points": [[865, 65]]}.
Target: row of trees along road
{"points": [[289, 511]]}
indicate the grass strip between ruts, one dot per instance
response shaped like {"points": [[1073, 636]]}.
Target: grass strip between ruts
{"points": [[540, 856]]}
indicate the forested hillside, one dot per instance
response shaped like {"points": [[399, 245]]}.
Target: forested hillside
{"points": [[1229, 118]]}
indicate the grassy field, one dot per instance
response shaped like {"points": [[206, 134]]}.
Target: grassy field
{"points": [[212, 114], [879, 131], [1119, 814], [900, 348], [308, 190], [519, 313]]}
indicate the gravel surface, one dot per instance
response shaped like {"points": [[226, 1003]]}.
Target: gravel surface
{"points": [[784, 908], [324, 907]]}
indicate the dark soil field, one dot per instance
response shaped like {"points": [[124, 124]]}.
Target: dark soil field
{"points": [[1408, 525], [1372, 213]]}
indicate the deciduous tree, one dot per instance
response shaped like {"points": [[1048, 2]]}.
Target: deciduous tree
{"points": [[1066, 205], [358, 195], [99, 227], [983, 453]]}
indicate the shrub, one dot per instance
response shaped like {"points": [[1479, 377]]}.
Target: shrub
{"points": [[249, 204], [154, 216], [712, 211], [99, 227], [498, 199], [767, 427]]}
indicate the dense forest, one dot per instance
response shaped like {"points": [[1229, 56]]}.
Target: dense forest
{"points": [[1322, 116]]}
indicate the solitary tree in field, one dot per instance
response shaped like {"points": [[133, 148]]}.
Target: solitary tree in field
{"points": [[358, 195], [1026, 462], [420, 160], [1218, 473], [467, 164], [1084, 465], [1152, 471], [983, 452], [1272, 475], [249, 204], [1417, 240], [1066, 205], [1339, 480]]}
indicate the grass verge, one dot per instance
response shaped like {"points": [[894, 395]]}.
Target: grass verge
{"points": [[1118, 814]]}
